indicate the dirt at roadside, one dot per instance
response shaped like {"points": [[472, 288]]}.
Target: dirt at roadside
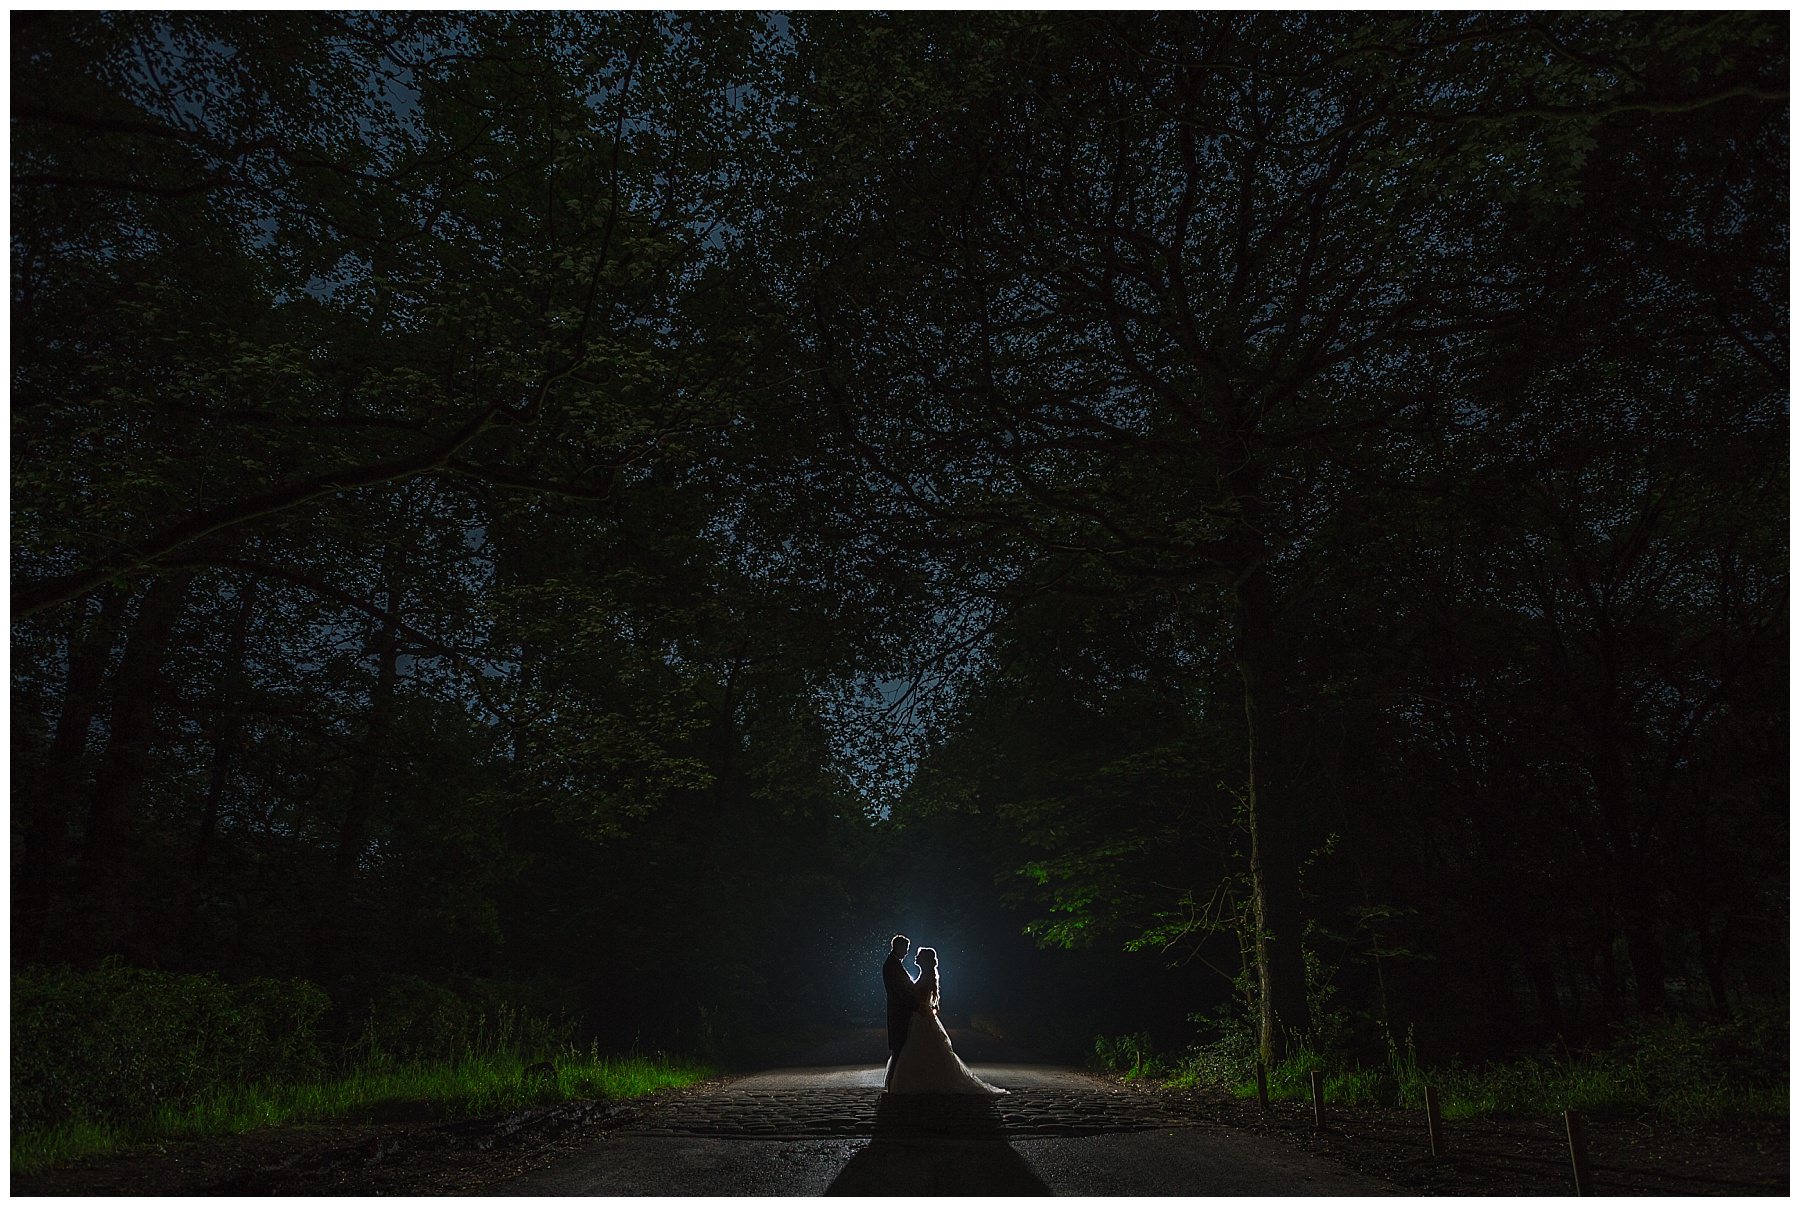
{"points": [[1513, 1156], [349, 1158]]}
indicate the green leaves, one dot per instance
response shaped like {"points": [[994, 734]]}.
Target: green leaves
{"points": [[1357, 424]]}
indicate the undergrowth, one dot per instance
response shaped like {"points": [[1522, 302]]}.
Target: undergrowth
{"points": [[1680, 1070], [470, 1086], [116, 1056]]}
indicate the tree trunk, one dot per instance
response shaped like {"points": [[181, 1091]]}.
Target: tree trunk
{"points": [[1572, 977], [1610, 1003], [353, 834], [1543, 988], [1644, 950], [339, 915], [1712, 958], [225, 727], [105, 871], [1276, 843], [1637, 904], [81, 697], [1497, 991], [517, 817], [48, 803]]}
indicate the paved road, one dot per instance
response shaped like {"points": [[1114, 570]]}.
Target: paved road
{"points": [[822, 1126]]}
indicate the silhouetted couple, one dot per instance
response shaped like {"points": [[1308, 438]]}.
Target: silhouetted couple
{"points": [[922, 1060]]}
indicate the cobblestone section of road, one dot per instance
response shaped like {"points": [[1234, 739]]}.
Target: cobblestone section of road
{"points": [[823, 1113]]}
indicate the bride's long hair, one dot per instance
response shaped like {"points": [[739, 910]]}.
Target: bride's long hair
{"points": [[928, 969]]}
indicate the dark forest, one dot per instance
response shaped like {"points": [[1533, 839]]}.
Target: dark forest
{"points": [[1259, 535]]}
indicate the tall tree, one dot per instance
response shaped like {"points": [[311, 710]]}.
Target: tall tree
{"points": [[1130, 293]]}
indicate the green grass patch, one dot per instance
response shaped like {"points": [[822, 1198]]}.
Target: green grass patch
{"points": [[1359, 1087], [467, 1087]]}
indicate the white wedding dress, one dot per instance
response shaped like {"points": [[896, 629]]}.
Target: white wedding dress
{"points": [[927, 1064]]}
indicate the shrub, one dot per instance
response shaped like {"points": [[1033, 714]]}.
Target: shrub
{"points": [[1680, 1069], [1226, 1062], [1130, 1055], [408, 1020], [1693, 1070], [1292, 1077], [119, 1055], [117, 1042], [411, 1019]]}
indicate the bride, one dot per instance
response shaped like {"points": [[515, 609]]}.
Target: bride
{"points": [[926, 1064]]}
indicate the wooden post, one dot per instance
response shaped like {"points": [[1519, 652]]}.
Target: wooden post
{"points": [[1578, 1155], [1262, 1087], [1434, 1122], [1318, 1089]]}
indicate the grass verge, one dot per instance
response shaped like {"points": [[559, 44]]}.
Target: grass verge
{"points": [[468, 1087], [1682, 1071]]}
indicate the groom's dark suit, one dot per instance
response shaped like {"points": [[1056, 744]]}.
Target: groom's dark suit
{"points": [[901, 1000]]}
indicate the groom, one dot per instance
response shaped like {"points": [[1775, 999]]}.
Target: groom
{"points": [[900, 1000]]}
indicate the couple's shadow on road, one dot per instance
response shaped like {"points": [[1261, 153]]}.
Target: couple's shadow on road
{"points": [[938, 1144]]}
